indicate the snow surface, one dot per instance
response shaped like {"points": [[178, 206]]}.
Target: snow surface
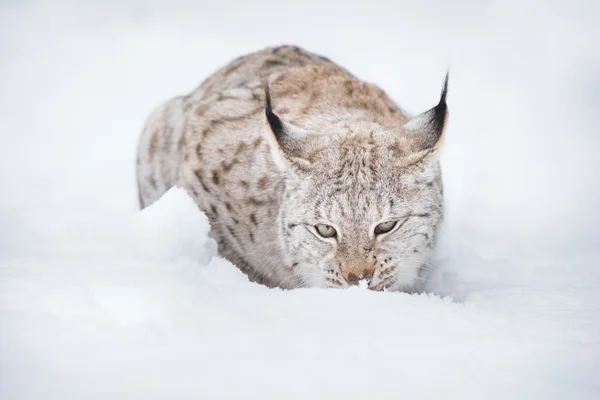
{"points": [[100, 301]]}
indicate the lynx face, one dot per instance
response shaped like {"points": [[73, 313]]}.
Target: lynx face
{"points": [[360, 203]]}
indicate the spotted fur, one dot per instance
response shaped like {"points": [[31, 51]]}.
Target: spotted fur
{"points": [[281, 140]]}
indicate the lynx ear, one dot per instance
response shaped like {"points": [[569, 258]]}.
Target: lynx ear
{"points": [[426, 130], [284, 138]]}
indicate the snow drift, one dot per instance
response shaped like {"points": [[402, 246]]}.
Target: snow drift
{"points": [[153, 313]]}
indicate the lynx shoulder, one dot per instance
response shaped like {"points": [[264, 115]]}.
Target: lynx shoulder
{"points": [[310, 177]]}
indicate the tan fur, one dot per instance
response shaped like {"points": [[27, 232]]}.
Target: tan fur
{"points": [[212, 143]]}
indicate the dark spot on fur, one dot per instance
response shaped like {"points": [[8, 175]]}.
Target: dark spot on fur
{"points": [[167, 141], [152, 182], [251, 237], [336, 191], [373, 171], [181, 142], [228, 206], [227, 166], [241, 146], [253, 219], [333, 281], [214, 209], [257, 142], [200, 179], [153, 145], [272, 63], [349, 91], [244, 184], [215, 177], [254, 201], [231, 231], [262, 182]]}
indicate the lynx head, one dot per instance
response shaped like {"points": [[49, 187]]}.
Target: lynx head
{"points": [[361, 201]]}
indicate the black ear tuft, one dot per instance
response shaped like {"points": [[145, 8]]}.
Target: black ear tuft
{"points": [[445, 88], [426, 130], [274, 122], [440, 111]]}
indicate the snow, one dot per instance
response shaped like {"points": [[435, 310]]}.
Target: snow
{"points": [[99, 300]]}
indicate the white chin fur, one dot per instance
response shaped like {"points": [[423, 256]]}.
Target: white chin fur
{"points": [[407, 276]]}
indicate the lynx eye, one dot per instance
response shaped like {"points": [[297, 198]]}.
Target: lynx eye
{"points": [[327, 231], [385, 227]]}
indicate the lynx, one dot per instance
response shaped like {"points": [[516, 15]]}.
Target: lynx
{"points": [[309, 176]]}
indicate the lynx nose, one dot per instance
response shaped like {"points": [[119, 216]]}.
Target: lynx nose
{"points": [[352, 277]]}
